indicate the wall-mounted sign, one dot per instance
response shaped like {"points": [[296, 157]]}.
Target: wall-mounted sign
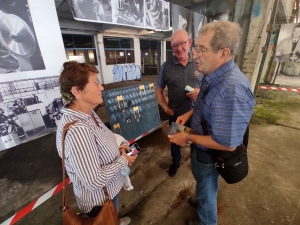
{"points": [[148, 14], [288, 45]]}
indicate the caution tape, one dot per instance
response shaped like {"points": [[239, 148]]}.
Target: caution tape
{"points": [[23, 212], [279, 88]]}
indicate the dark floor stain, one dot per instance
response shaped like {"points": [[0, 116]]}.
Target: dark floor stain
{"points": [[181, 197], [221, 209], [164, 166]]}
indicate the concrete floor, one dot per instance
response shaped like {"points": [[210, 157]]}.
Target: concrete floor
{"points": [[287, 81], [269, 195]]}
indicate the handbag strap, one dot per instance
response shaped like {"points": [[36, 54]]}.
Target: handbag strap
{"points": [[65, 194]]}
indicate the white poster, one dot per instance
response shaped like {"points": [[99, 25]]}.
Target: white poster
{"points": [[32, 55], [148, 14]]}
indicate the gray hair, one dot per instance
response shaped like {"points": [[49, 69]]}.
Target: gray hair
{"points": [[226, 35]]}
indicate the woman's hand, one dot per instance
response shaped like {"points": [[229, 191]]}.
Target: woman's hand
{"points": [[130, 159], [125, 147]]}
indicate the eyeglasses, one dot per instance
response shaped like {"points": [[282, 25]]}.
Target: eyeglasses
{"points": [[199, 51], [181, 44]]}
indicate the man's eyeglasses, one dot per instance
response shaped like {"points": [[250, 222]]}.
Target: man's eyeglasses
{"points": [[181, 44], [199, 51]]}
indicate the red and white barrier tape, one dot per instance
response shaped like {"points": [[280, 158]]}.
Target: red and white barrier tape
{"points": [[148, 132], [23, 212], [279, 88]]}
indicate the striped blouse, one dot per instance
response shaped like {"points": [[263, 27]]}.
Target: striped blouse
{"points": [[92, 158]]}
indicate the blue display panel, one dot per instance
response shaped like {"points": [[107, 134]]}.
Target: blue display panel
{"points": [[132, 110]]}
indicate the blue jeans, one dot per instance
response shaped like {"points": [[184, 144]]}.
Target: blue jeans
{"points": [[207, 184], [115, 200], [175, 149]]}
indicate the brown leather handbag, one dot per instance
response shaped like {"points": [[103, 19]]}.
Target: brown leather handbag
{"points": [[108, 214]]}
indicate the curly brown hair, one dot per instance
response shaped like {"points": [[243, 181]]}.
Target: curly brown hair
{"points": [[74, 74]]}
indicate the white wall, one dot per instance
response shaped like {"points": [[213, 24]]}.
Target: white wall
{"points": [[106, 71]]}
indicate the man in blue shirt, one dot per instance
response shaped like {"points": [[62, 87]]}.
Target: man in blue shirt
{"points": [[223, 107]]}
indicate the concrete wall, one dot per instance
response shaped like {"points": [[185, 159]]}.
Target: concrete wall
{"points": [[242, 16], [260, 17]]}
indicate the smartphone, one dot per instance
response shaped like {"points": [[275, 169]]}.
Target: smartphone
{"points": [[188, 88], [134, 149]]}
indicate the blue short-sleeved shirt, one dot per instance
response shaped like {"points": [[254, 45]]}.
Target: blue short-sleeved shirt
{"points": [[226, 104], [176, 76]]}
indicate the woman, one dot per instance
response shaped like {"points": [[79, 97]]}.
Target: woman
{"points": [[94, 156]]}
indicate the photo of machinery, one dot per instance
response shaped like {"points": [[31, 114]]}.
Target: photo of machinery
{"points": [[19, 48]]}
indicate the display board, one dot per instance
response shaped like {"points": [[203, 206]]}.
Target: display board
{"points": [[132, 110], [148, 14]]}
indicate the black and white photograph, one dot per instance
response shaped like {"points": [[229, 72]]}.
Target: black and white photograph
{"points": [[128, 12], [92, 10], [199, 20], [288, 45], [150, 14], [157, 14], [19, 48], [181, 19], [28, 109]]}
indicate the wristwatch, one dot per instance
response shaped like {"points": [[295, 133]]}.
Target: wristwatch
{"points": [[188, 139]]}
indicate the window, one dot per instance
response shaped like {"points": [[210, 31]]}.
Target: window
{"points": [[118, 50], [169, 50], [80, 48]]}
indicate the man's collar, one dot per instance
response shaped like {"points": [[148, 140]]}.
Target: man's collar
{"points": [[175, 61], [218, 74]]}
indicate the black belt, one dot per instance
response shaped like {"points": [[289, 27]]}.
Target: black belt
{"points": [[199, 149]]}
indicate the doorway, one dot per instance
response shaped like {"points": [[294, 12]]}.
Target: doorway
{"points": [[150, 56]]}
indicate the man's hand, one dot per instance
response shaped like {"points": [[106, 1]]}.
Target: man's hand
{"points": [[185, 117], [178, 139], [169, 111], [182, 119], [193, 94]]}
